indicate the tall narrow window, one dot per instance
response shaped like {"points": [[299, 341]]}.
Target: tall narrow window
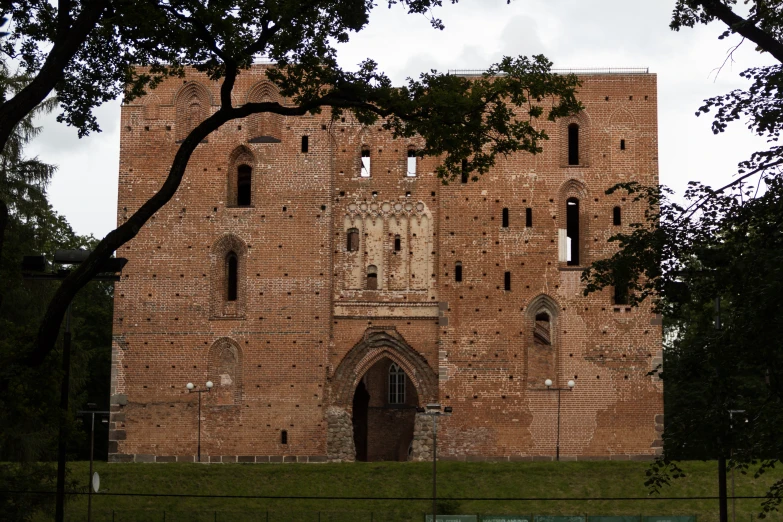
{"points": [[620, 292], [572, 231], [352, 244], [542, 332], [411, 163], [284, 437], [622, 144], [365, 163], [396, 384], [617, 216], [372, 277], [397, 243], [505, 218], [528, 217], [507, 281], [464, 171], [231, 276], [573, 144], [244, 185], [305, 143], [458, 271]]}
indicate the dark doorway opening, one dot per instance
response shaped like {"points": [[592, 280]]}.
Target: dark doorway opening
{"points": [[361, 402]]}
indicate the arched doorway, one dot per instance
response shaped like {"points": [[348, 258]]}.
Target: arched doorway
{"points": [[384, 412]]}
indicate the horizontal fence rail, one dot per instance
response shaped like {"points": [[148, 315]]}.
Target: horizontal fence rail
{"points": [[581, 70]]}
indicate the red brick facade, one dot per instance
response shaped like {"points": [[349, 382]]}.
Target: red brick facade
{"points": [[291, 276]]}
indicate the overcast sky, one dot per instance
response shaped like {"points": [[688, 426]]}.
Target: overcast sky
{"points": [[571, 33]]}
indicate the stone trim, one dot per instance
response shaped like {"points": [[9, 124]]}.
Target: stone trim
{"points": [[214, 459]]}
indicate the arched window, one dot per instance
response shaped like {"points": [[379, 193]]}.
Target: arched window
{"points": [[573, 144], [411, 162], [542, 330], [353, 240], [505, 218], [396, 384], [365, 162], [572, 231], [620, 293], [231, 276], [397, 243], [617, 216], [458, 271], [372, 277], [244, 185]]}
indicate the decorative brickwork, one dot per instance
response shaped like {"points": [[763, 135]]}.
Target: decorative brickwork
{"points": [[302, 258]]}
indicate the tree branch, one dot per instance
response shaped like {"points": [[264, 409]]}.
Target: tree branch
{"points": [[744, 27], [65, 46]]}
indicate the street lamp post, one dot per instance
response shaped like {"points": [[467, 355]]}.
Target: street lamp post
{"points": [[433, 410], [191, 389], [548, 384], [34, 267], [92, 413]]}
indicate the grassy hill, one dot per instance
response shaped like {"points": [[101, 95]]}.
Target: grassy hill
{"points": [[540, 479]]}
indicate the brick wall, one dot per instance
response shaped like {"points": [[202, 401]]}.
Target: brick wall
{"points": [[305, 328]]}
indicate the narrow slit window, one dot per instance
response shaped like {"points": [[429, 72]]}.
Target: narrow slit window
{"points": [[305, 143], [505, 218], [396, 384], [528, 217], [352, 244], [284, 437], [372, 277], [464, 171], [507, 281], [231, 276], [365, 163], [542, 331], [458, 271], [411, 163], [573, 144], [622, 144], [617, 216], [397, 243], [572, 231], [244, 185]]}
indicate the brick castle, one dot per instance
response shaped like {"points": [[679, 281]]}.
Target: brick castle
{"points": [[328, 284]]}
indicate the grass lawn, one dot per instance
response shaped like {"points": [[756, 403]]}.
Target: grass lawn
{"points": [[540, 479]]}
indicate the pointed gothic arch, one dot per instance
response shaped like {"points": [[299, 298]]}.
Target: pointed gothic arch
{"points": [[542, 340], [193, 105], [239, 161], [224, 369], [265, 127], [228, 249], [379, 343]]}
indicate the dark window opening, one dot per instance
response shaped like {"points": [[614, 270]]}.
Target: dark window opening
{"points": [[507, 281], [573, 144], [528, 217], [458, 271], [505, 218], [305, 144], [244, 180], [284, 437], [464, 171], [397, 243], [353, 240], [411, 162], [622, 144], [620, 293], [365, 172], [372, 278], [572, 231], [617, 216], [231, 269], [542, 330]]}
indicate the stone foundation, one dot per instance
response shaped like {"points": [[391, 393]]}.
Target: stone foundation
{"points": [[339, 436]]}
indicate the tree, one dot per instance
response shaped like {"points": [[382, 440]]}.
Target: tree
{"points": [[460, 119], [713, 265]]}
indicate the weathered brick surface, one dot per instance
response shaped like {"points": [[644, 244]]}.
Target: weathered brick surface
{"points": [[305, 328]]}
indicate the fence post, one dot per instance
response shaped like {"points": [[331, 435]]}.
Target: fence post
{"points": [[112, 515]]}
